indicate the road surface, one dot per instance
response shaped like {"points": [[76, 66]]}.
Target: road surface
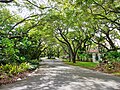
{"points": [[55, 75]]}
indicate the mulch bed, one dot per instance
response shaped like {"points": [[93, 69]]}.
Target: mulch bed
{"points": [[11, 79], [104, 67]]}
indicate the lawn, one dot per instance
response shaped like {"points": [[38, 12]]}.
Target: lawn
{"points": [[89, 65]]}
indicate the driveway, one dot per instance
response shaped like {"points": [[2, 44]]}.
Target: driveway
{"points": [[55, 75]]}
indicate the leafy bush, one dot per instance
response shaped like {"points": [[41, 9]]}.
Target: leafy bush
{"points": [[34, 62], [110, 62], [84, 56], [25, 66], [33, 67], [6, 68], [22, 59], [113, 56], [13, 69]]}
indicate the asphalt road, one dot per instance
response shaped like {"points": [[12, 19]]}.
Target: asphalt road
{"points": [[55, 75]]}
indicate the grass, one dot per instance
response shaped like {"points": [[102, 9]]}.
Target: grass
{"points": [[89, 65]]}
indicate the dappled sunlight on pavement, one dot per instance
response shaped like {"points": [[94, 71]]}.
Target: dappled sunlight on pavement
{"points": [[54, 75]]}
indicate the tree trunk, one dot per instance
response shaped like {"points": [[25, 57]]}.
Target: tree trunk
{"points": [[74, 57], [69, 57], [78, 58], [58, 53]]}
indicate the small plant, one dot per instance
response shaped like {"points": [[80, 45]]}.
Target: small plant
{"points": [[13, 69], [34, 62], [25, 66], [113, 56], [6, 68], [22, 59]]}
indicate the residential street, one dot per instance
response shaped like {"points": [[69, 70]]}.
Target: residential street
{"points": [[55, 75]]}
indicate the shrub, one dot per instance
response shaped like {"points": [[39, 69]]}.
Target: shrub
{"points": [[6, 68], [83, 56], [13, 69], [34, 62], [113, 56], [33, 67], [25, 66]]}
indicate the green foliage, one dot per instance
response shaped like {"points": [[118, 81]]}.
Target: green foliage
{"points": [[15, 44], [25, 66], [33, 67], [22, 59], [13, 69], [6, 68], [83, 23], [83, 56], [8, 44], [50, 53], [113, 56], [34, 62]]}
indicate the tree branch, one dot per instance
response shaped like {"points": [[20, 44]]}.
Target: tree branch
{"points": [[104, 17], [60, 40], [37, 5], [12, 37], [100, 6], [44, 49], [6, 1], [100, 44], [24, 20]]}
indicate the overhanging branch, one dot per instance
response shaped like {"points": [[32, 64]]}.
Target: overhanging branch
{"points": [[36, 5], [6, 1], [104, 17], [24, 20]]}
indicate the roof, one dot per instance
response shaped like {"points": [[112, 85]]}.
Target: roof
{"points": [[93, 51]]}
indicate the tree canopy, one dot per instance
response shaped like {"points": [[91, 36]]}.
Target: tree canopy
{"points": [[76, 25]]}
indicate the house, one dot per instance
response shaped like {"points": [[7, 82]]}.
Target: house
{"points": [[96, 56]]}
